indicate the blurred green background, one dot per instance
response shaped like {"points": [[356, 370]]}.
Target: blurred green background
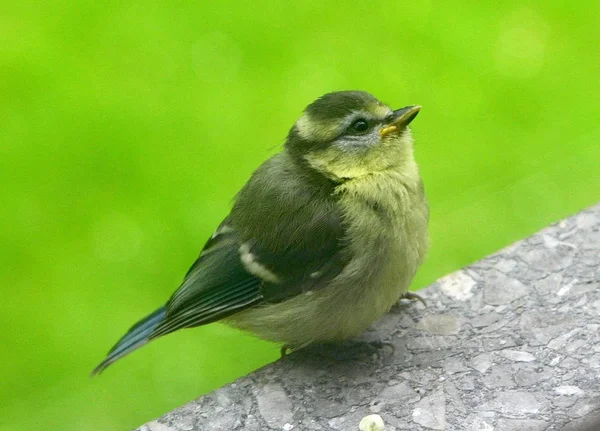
{"points": [[127, 127]]}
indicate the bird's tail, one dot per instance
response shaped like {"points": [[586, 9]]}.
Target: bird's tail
{"points": [[136, 337]]}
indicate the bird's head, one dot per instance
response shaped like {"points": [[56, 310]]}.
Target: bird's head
{"points": [[348, 134]]}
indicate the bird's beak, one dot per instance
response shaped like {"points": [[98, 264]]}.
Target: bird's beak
{"points": [[400, 119]]}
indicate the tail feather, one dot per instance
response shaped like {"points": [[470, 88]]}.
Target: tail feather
{"points": [[136, 337]]}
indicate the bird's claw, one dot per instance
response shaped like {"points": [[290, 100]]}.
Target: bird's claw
{"points": [[285, 350], [414, 297]]}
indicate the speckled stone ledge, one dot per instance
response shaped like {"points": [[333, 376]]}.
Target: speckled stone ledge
{"points": [[509, 343]]}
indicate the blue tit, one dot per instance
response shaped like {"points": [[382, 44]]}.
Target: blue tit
{"points": [[324, 238]]}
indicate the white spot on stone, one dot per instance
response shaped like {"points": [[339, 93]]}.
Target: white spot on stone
{"points": [[440, 324], [555, 361], [482, 362], [315, 274], [568, 390], [309, 292], [274, 405], [552, 242], [479, 424], [288, 427], [457, 285], [156, 426], [565, 289], [517, 356], [371, 423], [430, 411]]}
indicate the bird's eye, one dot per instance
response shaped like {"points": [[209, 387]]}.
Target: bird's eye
{"points": [[359, 125]]}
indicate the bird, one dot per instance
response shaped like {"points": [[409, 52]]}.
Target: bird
{"points": [[324, 238]]}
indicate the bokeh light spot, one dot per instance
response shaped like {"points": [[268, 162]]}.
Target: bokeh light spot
{"points": [[521, 44], [116, 238], [216, 57]]}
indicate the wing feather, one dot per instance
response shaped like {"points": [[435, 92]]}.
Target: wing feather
{"points": [[263, 253], [216, 286], [284, 236]]}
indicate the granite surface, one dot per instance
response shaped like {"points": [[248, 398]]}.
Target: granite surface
{"points": [[509, 343]]}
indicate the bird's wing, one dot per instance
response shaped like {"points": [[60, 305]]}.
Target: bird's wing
{"points": [[261, 253], [216, 285]]}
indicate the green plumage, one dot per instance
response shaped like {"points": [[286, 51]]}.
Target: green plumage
{"points": [[321, 241]]}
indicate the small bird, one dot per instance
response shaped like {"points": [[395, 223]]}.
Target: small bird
{"points": [[324, 238]]}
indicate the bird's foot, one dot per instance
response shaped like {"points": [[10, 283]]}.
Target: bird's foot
{"points": [[285, 350], [377, 344], [414, 297]]}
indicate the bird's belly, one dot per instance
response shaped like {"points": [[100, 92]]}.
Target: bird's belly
{"points": [[387, 274], [385, 262], [344, 309]]}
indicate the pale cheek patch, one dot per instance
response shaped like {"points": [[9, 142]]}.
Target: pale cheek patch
{"points": [[254, 267], [303, 126], [313, 131]]}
